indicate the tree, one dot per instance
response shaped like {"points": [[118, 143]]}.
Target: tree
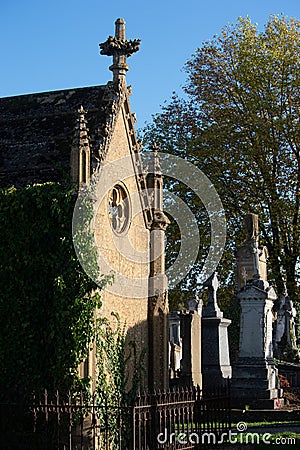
{"points": [[240, 124]]}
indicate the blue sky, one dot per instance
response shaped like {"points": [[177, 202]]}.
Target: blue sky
{"points": [[50, 45]]}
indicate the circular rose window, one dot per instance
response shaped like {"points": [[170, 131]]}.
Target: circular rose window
{"points": [[119, 209]]}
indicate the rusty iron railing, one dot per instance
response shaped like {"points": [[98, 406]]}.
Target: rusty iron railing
{"points": [[176, 419], [181, 419]]}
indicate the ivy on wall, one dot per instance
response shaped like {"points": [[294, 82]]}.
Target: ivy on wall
{"points": [[121, 374], [47, 302]]}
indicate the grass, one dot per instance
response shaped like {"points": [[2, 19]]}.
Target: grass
{"points": [[266, 423], [263, 441]]}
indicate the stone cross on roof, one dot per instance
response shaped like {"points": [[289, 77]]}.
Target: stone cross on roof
{"points": [[120, 50]]}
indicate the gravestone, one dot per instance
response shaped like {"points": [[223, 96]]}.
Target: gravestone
{"points": [[175, 345], [255, 377], [216, 366], [190, 329], [284, 332]]}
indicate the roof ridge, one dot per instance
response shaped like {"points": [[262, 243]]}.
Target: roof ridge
{"points": [[114, 96]]}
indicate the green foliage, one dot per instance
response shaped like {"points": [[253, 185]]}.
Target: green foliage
{"points": [[47, 302], [240, 125], [49, 307], [120, 375]]}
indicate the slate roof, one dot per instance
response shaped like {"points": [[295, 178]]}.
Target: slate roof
{"points": [[36, 133]]}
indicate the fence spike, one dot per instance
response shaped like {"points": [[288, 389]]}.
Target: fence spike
{"points": [[179, 411]]}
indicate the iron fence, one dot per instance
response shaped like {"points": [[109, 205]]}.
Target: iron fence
{"points": [[162, 420], [181, 419]]}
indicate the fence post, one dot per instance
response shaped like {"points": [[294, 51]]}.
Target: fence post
{"points": [[197, 408], [153, 426], [228, 405], [133, 427]]}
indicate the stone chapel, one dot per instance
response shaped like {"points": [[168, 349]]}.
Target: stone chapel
{"points": [[51, 136]]}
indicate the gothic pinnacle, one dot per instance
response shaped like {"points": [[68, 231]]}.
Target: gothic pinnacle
{"points": [[120, 49]]}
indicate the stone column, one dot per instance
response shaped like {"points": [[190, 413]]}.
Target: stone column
{"points": [[216, 366], [158, 328], [158, 338]]}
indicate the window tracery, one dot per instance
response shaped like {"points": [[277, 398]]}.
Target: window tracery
{"points": [[119, 209]]}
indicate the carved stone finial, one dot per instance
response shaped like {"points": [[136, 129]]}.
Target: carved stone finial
{"points": [[81, 110], [81, 117], [80, 153], [120, 49], [81, 128]]}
